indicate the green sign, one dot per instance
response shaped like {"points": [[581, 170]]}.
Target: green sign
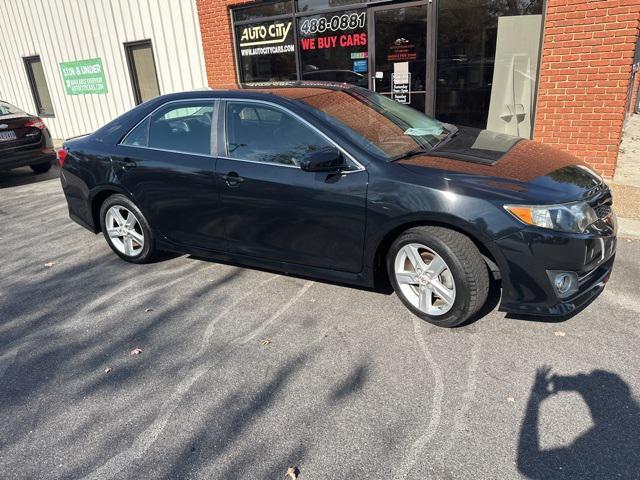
{"points": [[84, 77]]}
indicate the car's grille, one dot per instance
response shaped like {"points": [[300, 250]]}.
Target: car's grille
{"points": [[603, 211], [601, 202]]}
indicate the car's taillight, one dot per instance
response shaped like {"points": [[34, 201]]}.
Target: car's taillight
{"points": [[37, 123], [61, 155]]}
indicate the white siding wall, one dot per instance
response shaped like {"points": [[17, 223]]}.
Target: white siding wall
{"points": [[68, 30]]}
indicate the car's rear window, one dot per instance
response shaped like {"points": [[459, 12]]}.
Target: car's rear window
{"points": [[8, 109]]}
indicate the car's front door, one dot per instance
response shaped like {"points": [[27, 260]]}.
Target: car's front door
{"points": [[273, 209], [167, 164]]}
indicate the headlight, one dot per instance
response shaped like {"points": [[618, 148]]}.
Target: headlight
{"points": [[567, 217]]}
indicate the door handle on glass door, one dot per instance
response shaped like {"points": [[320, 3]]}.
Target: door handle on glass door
{"points": [[232, 179]]}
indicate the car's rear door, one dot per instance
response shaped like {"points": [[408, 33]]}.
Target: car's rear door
{"points": [[167, 165], [274, 210]]}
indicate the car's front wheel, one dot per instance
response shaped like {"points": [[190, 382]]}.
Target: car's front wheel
{"points": [[439, 274], [41, 167], [126, 230]]}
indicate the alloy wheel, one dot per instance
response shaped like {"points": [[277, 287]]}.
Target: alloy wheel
{"points": [[425, 279], [124, 231]]}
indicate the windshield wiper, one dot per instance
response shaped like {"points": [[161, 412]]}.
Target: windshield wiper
{"points": [[410, 153], [453, 131]]}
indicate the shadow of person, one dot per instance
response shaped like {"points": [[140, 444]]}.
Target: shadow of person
{"points": [[609, 449]]}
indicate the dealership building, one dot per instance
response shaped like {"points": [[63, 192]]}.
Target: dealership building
{"points": [[559, 71]]}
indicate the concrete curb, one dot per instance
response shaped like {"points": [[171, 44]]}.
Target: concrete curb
{"points": [[628, 227]]}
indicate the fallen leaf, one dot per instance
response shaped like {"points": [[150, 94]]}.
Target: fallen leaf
{"points": [[265, 342], [559, 334], [107, 370], [147, 310], [49, 264], [135, 351], [293, 472]]}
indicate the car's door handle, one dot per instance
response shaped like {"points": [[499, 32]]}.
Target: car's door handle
{"points": [[232, 179]]}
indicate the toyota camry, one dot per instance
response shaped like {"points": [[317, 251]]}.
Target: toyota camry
{"points": [[339, 183]]}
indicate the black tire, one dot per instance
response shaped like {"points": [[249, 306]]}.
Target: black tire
{"points": [[41, 167], [148, 252], [465, 263]]}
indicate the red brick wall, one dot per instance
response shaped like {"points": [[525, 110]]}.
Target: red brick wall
{"points": [[587, 54], [217, 40]]}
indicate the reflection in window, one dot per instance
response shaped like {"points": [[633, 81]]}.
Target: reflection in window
{"points": [[264, 134], [333, 47], [267, 51], [487, 63]]}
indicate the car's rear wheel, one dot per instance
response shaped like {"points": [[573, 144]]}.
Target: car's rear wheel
{"points": [[439, 274], [41, 167], [126, 230]]}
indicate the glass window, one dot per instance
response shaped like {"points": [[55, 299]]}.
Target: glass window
{"points": [[267, 51], [487, 63], [333, 47], [378, 124], [262, 133], [142, 69], [262, 10], [311, 5], [139, 136], [38, 84], [179, 127], [401, 53], [8, 109]]}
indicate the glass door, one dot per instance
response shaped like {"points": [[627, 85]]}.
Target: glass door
{"points": [[398, 53]]}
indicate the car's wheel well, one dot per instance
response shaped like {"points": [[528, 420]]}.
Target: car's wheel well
{"points": [[380, 264], [96, 204]]}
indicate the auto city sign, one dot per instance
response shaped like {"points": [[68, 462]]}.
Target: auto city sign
{"points": [[265, 34]]}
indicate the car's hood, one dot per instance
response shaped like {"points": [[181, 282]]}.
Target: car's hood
{"points": [[508, 167]]}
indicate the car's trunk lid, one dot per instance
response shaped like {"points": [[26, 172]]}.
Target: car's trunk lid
{"points": [[17, 134]]}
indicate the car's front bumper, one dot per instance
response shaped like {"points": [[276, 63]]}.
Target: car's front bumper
{"points": [[531, 252]]}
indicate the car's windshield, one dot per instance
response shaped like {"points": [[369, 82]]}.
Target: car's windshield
{"points": [[8, 109], [382, 126]]}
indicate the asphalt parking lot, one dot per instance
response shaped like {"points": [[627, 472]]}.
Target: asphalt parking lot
{"points": [[244, 373]]}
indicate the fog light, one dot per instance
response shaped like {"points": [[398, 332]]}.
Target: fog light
{"points": [[564, 283]]}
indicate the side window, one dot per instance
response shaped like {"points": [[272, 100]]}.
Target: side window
{"points": [[139, 136], [179, 127], [265, 134]]}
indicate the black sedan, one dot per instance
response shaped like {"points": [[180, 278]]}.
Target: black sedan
{"points": [[339, 183], [24, 140]]}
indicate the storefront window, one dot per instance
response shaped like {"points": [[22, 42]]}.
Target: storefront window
{"points": [[262, 10], [267, 51], [333, 47], [314, 5], [487, 63]]}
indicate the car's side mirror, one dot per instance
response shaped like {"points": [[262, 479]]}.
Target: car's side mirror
{"points": [[328, 159]]}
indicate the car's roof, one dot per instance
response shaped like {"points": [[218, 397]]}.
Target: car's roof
{"points": [[289, 90]]}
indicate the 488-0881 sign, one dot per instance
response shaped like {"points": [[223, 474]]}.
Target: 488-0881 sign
{"points": [[336, 23]]}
